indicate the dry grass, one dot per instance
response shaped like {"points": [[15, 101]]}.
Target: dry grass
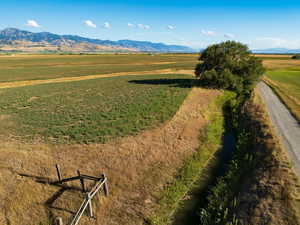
{"points": [[272, 64], [272, 56], [282, 91], [272, 195], [89, 77], [137, 167]]}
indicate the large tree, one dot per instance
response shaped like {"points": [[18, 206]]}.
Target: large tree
{"points": [[229, 65]]}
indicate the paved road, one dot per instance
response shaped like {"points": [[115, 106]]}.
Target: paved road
{"points": [[285, 124]]}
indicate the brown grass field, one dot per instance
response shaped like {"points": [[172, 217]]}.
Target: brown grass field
{"points": [[138, 166]]}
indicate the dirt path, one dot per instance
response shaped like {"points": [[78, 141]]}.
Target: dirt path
{"points": [[88, 77], [286, 125], [138, 167]]}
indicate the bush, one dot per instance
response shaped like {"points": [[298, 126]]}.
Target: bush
{"points": [[296, 56], [229, 65]]}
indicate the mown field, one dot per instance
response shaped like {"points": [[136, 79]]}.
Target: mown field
{"points": [[284, 77], [32, 67], [94, 110]]}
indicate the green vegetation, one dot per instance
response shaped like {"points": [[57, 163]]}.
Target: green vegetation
{"points": [[229, 65], [32, 67], [286, 83], [296, 56], [90, 110], [221, 201], [193, 167]]}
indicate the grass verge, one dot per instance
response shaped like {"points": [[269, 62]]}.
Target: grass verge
{"points": [[194, 166], [288, 94], [268, 194]]}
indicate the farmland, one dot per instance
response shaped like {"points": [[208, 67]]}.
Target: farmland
{"points": [[33, 67], [284, 77], [134, 117], [91, 110], [122, 125]]}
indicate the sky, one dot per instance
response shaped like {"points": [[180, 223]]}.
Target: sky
{"points": [[260, 24]]}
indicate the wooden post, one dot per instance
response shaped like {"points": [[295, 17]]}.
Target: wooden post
{"points": [[81, 181], [59, 221], [90, 206], [58, 172], [105, 187]]}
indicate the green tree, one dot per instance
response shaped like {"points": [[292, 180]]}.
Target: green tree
{"points": [[297, 56], [229, 65]]}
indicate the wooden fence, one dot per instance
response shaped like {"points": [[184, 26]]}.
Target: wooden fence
{"points": [[100, 182]]}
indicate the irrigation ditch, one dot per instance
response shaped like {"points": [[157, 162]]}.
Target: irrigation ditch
{"points": [[211, 193]]}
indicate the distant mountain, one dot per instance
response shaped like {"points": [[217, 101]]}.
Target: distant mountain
{"points": [[277, 51], [15, 39]]}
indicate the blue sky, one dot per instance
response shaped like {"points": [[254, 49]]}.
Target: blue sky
{"points": [[258, 23]]}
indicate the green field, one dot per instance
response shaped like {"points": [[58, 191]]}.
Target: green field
{"points": [[91, 110], [32, 67], [285, 80]]}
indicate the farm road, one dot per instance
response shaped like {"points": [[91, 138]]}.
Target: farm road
{"points": [[285, 124], [88, 77]]}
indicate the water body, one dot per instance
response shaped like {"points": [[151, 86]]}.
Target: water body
{"points": [[187, 212]]}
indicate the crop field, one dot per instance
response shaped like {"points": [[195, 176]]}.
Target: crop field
{"points": [[284, 77], [91, 110], [137, 129], [32, 67]]}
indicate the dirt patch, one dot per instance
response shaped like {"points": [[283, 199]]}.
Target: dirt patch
{"points": [[137, 168], [88, 77]]}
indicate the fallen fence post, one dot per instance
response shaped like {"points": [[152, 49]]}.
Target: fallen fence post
{"points": [[105, 188], [58, 172], [81, 181]]}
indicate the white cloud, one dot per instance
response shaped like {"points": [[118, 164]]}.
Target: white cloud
{"points": [[170, 27], [130, 25], [107, 25], [89, 23], [208, 33], [229, 36], [32, 23], [142, 26]]}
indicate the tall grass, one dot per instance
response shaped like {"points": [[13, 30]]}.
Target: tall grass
{"points": [[211, 138]]}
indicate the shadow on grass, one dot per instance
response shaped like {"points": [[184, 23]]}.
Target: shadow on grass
{"points": [[176, 82], [50, 202], [182, 83]]}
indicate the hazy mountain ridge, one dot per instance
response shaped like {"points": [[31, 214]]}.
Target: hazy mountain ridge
{"points": [[277, 51], [10, 37]]}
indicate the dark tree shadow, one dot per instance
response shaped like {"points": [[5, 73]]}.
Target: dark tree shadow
{"points": [[182, 83], [177, 82]]}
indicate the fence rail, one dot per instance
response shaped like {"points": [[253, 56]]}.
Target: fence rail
{"points": [[101, 182]]}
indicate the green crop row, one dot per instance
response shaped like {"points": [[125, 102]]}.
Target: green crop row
{"points": [[91, 110]]}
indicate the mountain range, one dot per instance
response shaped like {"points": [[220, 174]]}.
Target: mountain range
{"points": [[12, 39]]}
